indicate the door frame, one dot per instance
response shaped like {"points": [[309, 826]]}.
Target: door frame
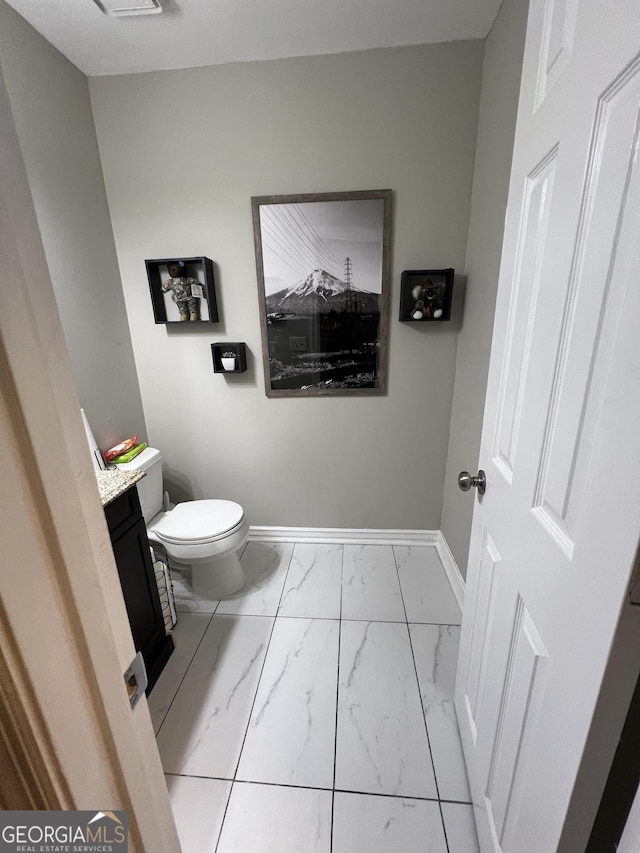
{"points": [[70, 739], [622, 784], [615, 706]]}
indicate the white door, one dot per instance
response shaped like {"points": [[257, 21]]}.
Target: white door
{"points": [[554, 537], [68, 736]]}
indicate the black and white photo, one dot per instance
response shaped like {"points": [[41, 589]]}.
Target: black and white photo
{"points": [[322, 263]]}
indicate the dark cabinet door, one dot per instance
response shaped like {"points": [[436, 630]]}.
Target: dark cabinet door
{"points": [[137, 579], [139, 587]]}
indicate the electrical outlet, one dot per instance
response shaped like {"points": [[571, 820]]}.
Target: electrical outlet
{"points": [[298, 344]]}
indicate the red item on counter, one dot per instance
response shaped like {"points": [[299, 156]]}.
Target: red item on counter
{"points": [[119, 449]]}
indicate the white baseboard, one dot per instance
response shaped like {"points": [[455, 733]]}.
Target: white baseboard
{"points": [[372, 536], [344, 536], [451, 568]]}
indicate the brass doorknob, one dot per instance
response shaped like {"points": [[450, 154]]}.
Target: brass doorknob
{"points": [[466, 481]]}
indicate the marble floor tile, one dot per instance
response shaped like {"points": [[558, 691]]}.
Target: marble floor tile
{"points": [[275, 819], [291, 734], [314, 582], [203, 732], [186, 636], [435, 649], [427, 592], [460, 828], [368, 824], [266, 569], [186, 599], [382, 743], [198, 806], [370, 588]]}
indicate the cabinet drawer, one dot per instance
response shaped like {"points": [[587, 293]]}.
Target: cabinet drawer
{"points": [[123, 511]]}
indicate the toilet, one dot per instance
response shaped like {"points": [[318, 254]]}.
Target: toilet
{"points": [[203, 536]]}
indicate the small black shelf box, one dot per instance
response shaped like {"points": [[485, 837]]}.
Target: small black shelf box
{"points": [[229, 357], [425, 295], [188, 298]]}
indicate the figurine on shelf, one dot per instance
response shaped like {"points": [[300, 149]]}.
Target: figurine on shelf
{"points": [[429, 301], [185, 291]]}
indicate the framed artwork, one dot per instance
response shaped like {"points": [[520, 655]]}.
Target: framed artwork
{"points": [[425, 295], [323, 278]]}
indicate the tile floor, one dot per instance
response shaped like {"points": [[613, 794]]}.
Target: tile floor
{"points": [[313, 712]]}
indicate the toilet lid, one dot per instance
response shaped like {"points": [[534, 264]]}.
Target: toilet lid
{"points": [[199, 521]]}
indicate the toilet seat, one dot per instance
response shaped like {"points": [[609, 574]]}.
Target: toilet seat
{"points": [[199, 522]]}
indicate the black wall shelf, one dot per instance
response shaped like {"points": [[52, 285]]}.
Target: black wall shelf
{"points": [[425, 295], [239, 350], [166, 308]]}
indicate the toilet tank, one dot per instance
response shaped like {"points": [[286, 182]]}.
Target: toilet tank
{"points": [[149, 487]]}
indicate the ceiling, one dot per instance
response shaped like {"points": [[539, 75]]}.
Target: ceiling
{"points": [[190, 33]]}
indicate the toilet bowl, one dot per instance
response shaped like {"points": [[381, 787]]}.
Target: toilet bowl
{"points": [[203, 537]]}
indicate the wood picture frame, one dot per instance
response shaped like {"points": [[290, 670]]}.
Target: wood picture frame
{"points": [[323, 268]]}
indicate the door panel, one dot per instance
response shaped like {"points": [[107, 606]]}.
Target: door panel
{"points": [[523, 685], [531, 241], [578, 382], [482, 622], [557, 43], [555, 535]]}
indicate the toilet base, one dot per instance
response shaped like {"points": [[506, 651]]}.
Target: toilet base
{"points": [[215, 579]]}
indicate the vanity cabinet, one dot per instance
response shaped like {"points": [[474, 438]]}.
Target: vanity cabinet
{"points": [[137, 578]]}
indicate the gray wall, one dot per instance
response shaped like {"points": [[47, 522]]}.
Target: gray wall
{"points": [[498, 108], [52, 112], [183, 152]]}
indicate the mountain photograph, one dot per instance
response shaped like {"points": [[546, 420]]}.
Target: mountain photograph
{"points": [[322, 283], [321, 292], [323, 333]]}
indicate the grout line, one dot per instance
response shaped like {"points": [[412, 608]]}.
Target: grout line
{"points": [[444, 826], [318, 788], [187, 668], [335, 743], [326, 618], [457, 802], [388, 796], [264, 660], [200, 776], [320, 618], [224, 816], [424, 715], [283, 785], [286, 578], [233, 783]]}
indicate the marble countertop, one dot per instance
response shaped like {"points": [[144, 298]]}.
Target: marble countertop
{"points": [[113, 482]]}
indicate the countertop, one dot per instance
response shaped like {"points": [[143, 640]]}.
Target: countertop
{"points": [[113, 482]]}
